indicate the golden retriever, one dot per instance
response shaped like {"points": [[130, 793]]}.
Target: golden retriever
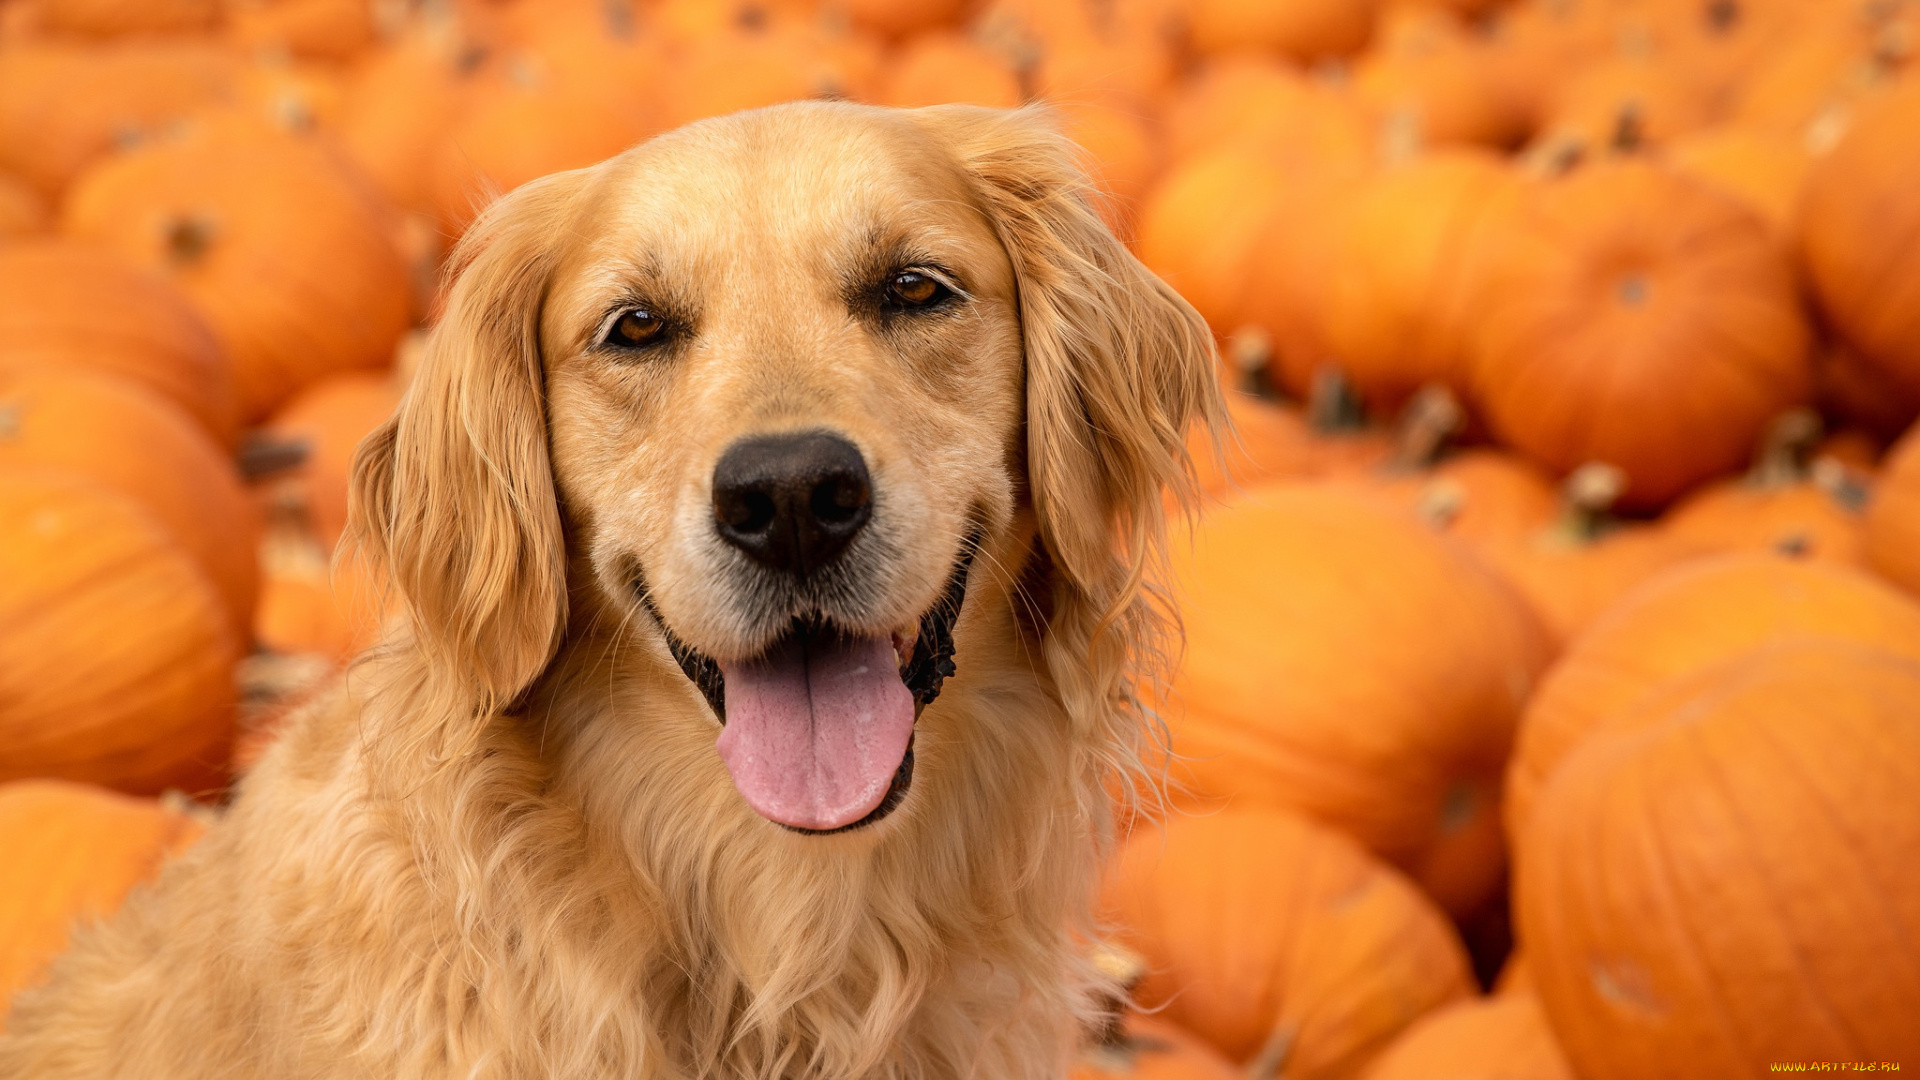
{"points": [[772, 514]]}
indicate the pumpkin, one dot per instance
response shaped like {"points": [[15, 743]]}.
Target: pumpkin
{"points": [[54, 316], [329, 30], [74, 852], [1344, 662], [1430, 68], [1200, 228], [1719, 43], [1629, 99], [1726, 880], [1270, 441], [312, 605], [1280, 942], [1503, 1038], [552, 105], [1129, 72], [1811, 84], [1516, 978], [1855, 221], [1148, 1048], [62, 107], [1788, 501], [1626, 314], [397, 104], [1763, 169], [116, 657], [1537, 45], [22, 211], [758, 65], [1231, 99], [1395, 312], [1304, 30], [1479, 496], [123, 438], [285, 251], [1893, 517], [937, 68], [894, 20], [330, 419], [120, 18], [1122, 156], [1860, 394], [293, 96], [1682, 621]]}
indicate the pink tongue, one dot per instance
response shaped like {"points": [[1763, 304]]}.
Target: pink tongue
{"points": [[816, 729]]}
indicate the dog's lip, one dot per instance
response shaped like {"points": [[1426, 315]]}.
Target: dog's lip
{"points": [[924, 649]]}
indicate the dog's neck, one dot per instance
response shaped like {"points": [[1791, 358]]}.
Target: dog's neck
{"points": [[950, 933]]}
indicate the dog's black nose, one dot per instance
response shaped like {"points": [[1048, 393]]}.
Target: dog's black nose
{"points": [[793, 502]]}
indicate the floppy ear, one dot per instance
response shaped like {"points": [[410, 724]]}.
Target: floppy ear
{"points": [[454, 497], [1119, 366]]}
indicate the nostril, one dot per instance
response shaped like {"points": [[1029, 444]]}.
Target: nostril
{"points": [[745, 511], [841, 499]]}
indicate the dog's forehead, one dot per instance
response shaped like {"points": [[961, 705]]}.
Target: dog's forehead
{"points": [[784, 185]]}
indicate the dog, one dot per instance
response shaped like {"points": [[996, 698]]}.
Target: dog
{"points": [[773, 519]]}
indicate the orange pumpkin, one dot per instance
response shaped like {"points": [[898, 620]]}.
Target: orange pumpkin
{"points": [[293, 96], [1726, 879], [1840, 57], [1855, 221], [120, 18], [1860, 394], [563, 102], [1148, 1048], [748, 67], [286, 252], [892, 19], [1763, 169], [1504, 1038], [330, 30], [937, 68], [74, 852], [123, 438], [1629, 101], [116, 658], [1303, 30], [52, 319], [1685, 620], [1279, 942], [1626, 314], [1788, 501], [1130, 72], [1536, 46], [1396, 310], [1343, 661], [1237, 98], [398, 102], [64, 107], [1271, 442], [1123, 156], [1200, 228], [1430, 69], [309, 605], [330, 419], [1481, 497], [1516, 978], [22, 211], [1893, 517]]}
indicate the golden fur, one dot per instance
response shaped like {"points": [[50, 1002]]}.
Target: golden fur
{"points": [[505, 846]]}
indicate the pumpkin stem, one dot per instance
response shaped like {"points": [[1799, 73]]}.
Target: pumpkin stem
{"points": [[1586, 504], [1841, 484], [9, 419], [262, 455], [1333, 406], [188, 239], [1271, 1062], [1555, 155], [1401, 137], [1629, 129], [1429, 422], [1786, 450], [1250, 354]]}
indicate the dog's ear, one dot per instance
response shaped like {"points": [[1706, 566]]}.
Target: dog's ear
{"points": [[1119, 366], [454, 496]]}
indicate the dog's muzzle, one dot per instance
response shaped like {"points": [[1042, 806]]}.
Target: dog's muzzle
{"points": [[820, 739]]}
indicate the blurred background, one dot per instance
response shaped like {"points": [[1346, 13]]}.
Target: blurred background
{"points": [[1551, 702]]}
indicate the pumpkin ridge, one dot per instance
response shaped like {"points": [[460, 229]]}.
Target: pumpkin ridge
{"points": [[1754, 839], [1817, 795]]}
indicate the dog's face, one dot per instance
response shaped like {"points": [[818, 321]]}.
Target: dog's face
{"points": [[779, 390], [785, 383]]}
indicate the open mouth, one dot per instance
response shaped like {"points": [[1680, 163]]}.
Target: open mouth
{"points": [[817, 730]]}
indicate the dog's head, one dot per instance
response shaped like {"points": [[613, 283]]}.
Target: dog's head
{"points": [[781, 391]]}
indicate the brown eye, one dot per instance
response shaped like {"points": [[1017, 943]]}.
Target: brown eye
{"points": [[636, 328], [914, 290]]}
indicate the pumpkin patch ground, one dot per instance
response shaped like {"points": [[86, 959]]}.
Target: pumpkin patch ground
{"points": [[1551, 612]]}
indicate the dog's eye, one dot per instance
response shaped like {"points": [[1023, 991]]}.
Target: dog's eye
{"points": [[912, 289], [634, 329]]}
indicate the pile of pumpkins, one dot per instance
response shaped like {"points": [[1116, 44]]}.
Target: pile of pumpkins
{"points": [[1550, 701]]}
